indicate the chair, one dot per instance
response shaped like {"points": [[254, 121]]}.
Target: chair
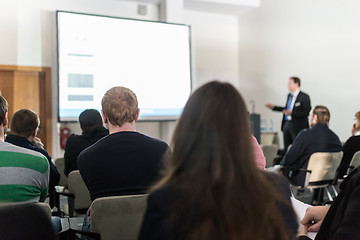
{"points": [[321, 171], [78, 195], [270, 152], [60, 165], [118, 217], [355, 161], [26, 221]]}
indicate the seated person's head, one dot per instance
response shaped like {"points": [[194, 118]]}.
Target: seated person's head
{"points": [[3, 116], [356, 126], [119, 106], [89, 119], [25, 123], [320, 114]]}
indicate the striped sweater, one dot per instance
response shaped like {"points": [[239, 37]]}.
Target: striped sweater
{"points": [[24, 174]]}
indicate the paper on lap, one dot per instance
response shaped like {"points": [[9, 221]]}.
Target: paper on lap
{"points": [[300, 209]]}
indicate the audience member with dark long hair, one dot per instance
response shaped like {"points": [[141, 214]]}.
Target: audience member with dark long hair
{"points": [[213, 189], [92, 130]]}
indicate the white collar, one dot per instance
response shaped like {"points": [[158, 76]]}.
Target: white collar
{"points": [[295, 93], [357, 133]]}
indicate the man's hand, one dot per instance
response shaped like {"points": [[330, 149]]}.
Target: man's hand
{"points": [[313, 218], [269, 105], [287, 112], [38, 143], [303, 231]]}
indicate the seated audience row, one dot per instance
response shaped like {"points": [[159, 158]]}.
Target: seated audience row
{"points": [[208, 187]]}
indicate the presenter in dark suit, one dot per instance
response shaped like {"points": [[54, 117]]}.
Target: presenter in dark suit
{"points": [[296, 112]]}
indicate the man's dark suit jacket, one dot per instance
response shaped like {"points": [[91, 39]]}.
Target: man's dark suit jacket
{"points": [[351, 146], [300, 112], [319, 138], [342, 221]]}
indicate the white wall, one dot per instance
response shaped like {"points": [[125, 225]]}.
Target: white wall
{"points": [[315, 40], [29, 38]]}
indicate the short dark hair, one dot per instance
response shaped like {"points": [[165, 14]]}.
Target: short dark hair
{"points": [[296, 80], [3, 108], [24, 122], [89, 119], [322, 113]]}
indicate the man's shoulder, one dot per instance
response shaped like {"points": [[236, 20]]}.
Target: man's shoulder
{"points": [[22, 155], [11, 148], [151, 139], [303, 94]]}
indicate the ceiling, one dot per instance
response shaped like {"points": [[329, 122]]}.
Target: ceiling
{"points": [[232, 7]]}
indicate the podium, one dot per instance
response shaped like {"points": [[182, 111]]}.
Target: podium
{"points": [[255, 126]]}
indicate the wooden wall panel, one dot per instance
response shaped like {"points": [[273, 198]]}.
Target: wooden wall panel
{"points": [[29, 87], [27, 91]]}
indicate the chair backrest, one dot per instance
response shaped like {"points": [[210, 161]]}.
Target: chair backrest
{"points": [[323, 167], [355, 161], [118, 217], [78, 188], [270, 152], [267, 138], [26, 221], [60, 166], [45, 207]]}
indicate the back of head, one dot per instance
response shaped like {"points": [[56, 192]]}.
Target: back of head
{"points": [[120, 105], [3, 108], [24, 122], [89, 119], [213, 173], [322, 113], [357, 123]]}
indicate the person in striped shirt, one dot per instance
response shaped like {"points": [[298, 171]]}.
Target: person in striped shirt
{"points": [[24, 174]]}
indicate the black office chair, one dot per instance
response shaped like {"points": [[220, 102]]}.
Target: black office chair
{"points": [[25, 221]]}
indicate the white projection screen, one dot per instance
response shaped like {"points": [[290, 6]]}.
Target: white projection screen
{"points": [[96, 53]]}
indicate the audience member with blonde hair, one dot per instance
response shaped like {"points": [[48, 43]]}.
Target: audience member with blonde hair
{"points": [[213, 189], [351, 146], [125, 162]]}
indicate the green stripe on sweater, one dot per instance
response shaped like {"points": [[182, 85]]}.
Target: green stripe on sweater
{"points": [[15, 159], [18, 193]]}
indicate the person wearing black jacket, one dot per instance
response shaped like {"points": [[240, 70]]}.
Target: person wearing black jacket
{"points": [[319, 138], [342, 220], [92, 130], [351, 146], [295, 112]]}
